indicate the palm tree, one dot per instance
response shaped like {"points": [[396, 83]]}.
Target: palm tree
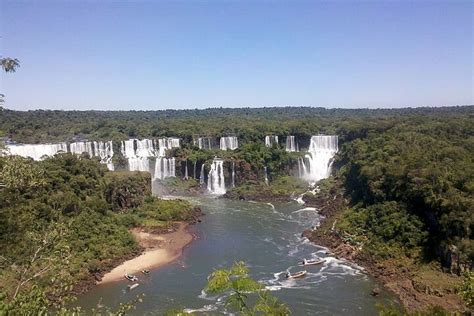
{"points": [[10, 64]]}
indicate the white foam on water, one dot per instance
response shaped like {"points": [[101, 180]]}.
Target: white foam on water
{"points": [[306, 209], [205, 308], [271, 205], [205, 296]]}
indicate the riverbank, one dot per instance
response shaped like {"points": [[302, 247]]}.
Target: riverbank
{"points": [[159, 249], [418, 286]]}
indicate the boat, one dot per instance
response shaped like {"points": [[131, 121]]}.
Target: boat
{"points": [[132, 286], [310, 262], [146, 271], [295, 275], [131, 277]]}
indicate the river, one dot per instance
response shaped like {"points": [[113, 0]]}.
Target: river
{"points": [[268, 238]]}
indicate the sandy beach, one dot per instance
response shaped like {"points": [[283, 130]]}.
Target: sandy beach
{"points": [[159, 250]]}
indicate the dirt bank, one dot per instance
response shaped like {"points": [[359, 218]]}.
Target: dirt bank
{"points": [[159, 249]]}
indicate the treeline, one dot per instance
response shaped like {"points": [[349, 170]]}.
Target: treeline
{"points": [[412, 187], [249, 124], [64, 221]]}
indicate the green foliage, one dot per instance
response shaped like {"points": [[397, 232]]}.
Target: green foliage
{"points": [[236, 282], [466, 290], [126, 190], [18, 173], [9, 64], [280, 187], [56, 230], [421, 169], [387, 225], [394, 311], [156, 210]]}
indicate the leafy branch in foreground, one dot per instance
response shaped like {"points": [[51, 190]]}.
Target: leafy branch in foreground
{"points": [[466, 290], [9, 64], [237, 282]]}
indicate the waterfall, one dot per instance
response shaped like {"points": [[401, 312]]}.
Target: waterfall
{"points": [[299, 168], [291, 144], [145, 148], [266, 174], [103, 150], [78, 148], [186, 170], [229, 143], [201, 175], [37, 151], [128, 148], [233, 174], [204, 143], [270, 140], [319, 158], [194, 170], [215, 180], [139, 164], [164, 144], [138, 152], [164, 168]]}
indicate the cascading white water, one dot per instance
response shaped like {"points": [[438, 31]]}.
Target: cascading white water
{"points": [[233, 174], [229, 143], [201, 176], [78, 148], [266, 175], [291, 144], [194, 169], [165, 144], [270, 140], [164, 168], [317, 163], [138, 152], [186, 170], [139, 164], [204, 143], [128, 148], [145, 148], [103, 150], [36, 151], [215, 180]]}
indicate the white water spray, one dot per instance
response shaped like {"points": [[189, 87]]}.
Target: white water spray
{"points": [[215, 180], [291, 144], [317, 162], [229, 143], [37, 151], [270, 140]]}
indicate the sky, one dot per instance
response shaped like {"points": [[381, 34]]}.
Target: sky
{"points": [[152, 55]]}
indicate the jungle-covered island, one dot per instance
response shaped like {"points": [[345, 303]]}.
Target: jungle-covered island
{"points": [[392, 191]]}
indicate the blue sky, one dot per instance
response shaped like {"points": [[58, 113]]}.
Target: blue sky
{"points": [[197, 54]]}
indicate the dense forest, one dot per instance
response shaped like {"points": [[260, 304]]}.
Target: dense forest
{"points": [[64, 221], [408, 173]]}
